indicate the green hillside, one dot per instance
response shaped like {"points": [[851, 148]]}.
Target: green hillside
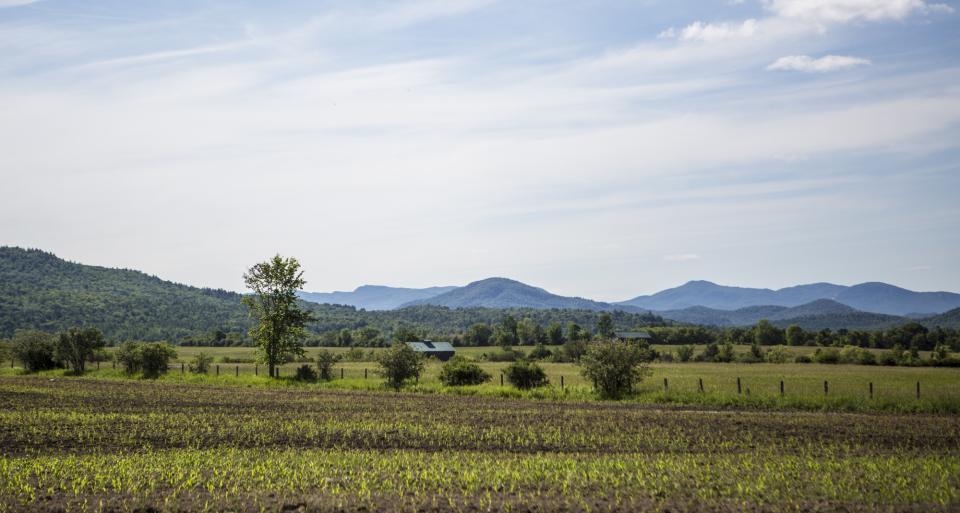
{"points": [[39, 290]]}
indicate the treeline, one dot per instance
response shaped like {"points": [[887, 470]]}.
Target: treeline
{"points": [[911, 335]]}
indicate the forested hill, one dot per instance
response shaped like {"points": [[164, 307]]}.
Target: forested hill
{"points": [[39, 290]]}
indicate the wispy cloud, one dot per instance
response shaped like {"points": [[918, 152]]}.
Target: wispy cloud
{"points": [[16, 3], [844, 11], [823, 64], [700, 31]]}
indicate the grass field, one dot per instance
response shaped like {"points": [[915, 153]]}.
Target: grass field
{"points": [[848, 386], [92, 445]]}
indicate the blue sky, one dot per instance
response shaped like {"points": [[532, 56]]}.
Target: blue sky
{"points": [[601, 149]]}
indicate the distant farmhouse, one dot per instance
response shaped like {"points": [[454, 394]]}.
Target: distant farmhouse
{"points": [[633, 336], [443, 351]]}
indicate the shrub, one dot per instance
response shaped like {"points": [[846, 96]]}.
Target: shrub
{"points": [[128, 354], [725, 353], [827, 355], [76, 345], [35, 350], [685, 353], [155, 359], [504, 355], [354, 354], [326, 359], [777, 354], [305, 373], [458, 371], [540, 353], [888, 358], [802, 358], [614, 368], [201, 363], [526, 375], [151, 359], [399, 364]]}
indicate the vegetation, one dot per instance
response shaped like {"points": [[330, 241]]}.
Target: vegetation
{"points": [[400, 364], [77, 345], [191, 447], [150, 359], [614, 368], [459, 371], [34, 349], [279, 328], [525, 375], [325, 361], [201, 363]]}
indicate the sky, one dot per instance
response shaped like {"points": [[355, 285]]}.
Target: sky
{"points": [[603, 149]]}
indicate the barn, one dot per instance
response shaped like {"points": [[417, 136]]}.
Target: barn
{"points": [[443, 351]]}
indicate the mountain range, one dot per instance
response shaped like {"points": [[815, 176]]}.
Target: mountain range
{"points": [[374, 297], [39, 290]]}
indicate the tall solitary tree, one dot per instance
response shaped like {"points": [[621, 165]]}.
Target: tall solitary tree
{"points": [[76, 345], [279, 331]]}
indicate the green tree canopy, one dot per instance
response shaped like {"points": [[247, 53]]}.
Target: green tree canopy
{"points": [[279, 328]]}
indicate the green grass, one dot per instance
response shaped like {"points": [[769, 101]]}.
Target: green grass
{"points": [[894, 388]]}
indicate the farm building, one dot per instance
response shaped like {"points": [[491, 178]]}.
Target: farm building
{"points": [[633, 336], [443, 351]]}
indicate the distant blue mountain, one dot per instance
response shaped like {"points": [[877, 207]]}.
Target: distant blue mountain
{"points": [[868, 297], [815, 315], [506, 293], [373, 297]]}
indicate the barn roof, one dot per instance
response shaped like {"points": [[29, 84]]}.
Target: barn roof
{"points": [[427, 346]]}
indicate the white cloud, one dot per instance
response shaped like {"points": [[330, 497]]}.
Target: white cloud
{"points": [[682, 257], [844, 11], [16, 3], [824, 64], [700, 31]]}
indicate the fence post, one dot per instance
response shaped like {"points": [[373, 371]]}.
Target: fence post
{"points": [[181, 368], [781, 387], [364, 373], [238, 371], [98, 364], [826, 387], [501, 379], [738, 386], [665, 386], [871, 390], [701, 384], [918, 390], [256, 369], [218, 369], [341, 372]]}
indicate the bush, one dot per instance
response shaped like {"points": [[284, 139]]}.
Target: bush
{"points": [[614, 368], [155, 359], [802, 358], [35, 350], [354, 354], [305, 373], [76, 345], [326, 359], [151, 359], [725, 353], [827, 355], [201, 363], [458, 371], [526, 375], [399, 364], [777, 354], [685, 353], [504, 355], [540, 352]]}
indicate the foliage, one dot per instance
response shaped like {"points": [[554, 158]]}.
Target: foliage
{"points": [[34, 349], [201, 363], [325, 361], [400, 364], [605, 328], [540, 352], [458, 371], [777, 354], [77, 345], [151, 359], [280, 322], [614, 368], [685, 353], [305, 372], [525, 375]]}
